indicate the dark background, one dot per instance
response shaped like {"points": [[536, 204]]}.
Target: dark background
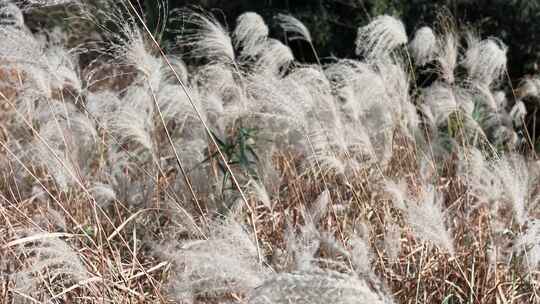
{"points": [[333, 23]]}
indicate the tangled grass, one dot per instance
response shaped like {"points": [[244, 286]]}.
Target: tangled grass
{"points": [[249, 177]]}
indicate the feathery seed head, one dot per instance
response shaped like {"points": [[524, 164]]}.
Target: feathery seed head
{"points": [[423, 47], [361, 255], [20, 49], [50, 261], [316, 287], [443, 100], [204, 36], [398, 192], [518, 113], [133, 119], [392, 241], [485, 60], [507, 181], [529, 87], [63, 69], [259, 191], [274, 57], [52, 153], [294, 27], [251, 31], [427, 219], [102, 193], [320, 207], [529, 243], [380, 37], [447, 56], [137, 56], [31, 4], [13, 14], [226, 262], [500, 99], [424, 213]]}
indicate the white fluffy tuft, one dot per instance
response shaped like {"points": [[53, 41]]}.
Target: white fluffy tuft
{"points": [[380, 37], [423, 47]]}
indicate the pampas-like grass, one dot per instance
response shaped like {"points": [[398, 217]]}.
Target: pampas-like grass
{"points": [[20, 49], [443, 100], [399, 193], [529, 245], [295, 29], [128, 46], [269, 102], [180, 68], [529, 87], [316, 286], [50, 265], [214, 78], [331, 147], [392, 241], [424, 214], [487, 98], [50, 219], [361, 256], [396, 83], [250, 33], [31, 4], [274, 57], [61, 144], [63, 69], [423, 47], [367, 88], [366, 93], [327, 137], [485, 60], [302, 247], [204, 36], [11, 15], [380, 37], [427, 220], [518, 113], [174, 105], [137, 56], [320, 207], [226, 262], [259, 191], [447, 56], [479, 176], [102, 106], [503, 181], [102, 193], [133, 120], [515, 178]]}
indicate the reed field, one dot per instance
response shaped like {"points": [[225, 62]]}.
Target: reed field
{"points": [[214, 167]]}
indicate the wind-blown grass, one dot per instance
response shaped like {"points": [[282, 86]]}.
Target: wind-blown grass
{"points": [[111, 171]]}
